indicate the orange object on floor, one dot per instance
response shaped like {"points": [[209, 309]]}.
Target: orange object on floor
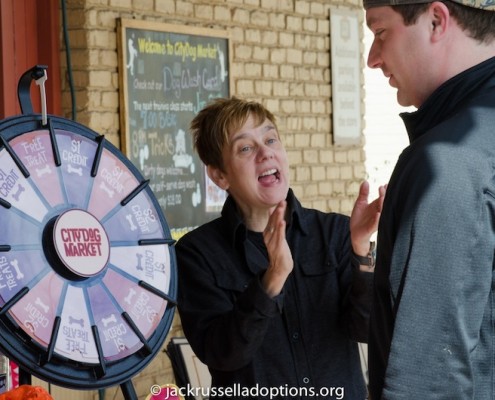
{"points": [[26, 392]]}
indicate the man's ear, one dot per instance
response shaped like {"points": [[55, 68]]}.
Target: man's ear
{"points": [[218, 177], [440, 18]]}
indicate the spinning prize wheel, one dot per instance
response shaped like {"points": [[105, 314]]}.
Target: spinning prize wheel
{"points": [[87, 266]]}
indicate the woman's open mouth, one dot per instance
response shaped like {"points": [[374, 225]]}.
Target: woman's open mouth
{"points": [[269, 176]]}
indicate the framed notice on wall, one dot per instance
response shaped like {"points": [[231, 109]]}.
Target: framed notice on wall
{"points": [[346, 75], [168, 74]]}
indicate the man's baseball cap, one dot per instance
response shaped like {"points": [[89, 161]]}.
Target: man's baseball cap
{"points": [[488, 5]]}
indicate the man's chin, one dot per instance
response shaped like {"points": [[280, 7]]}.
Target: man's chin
{"points": [[403, 101]]}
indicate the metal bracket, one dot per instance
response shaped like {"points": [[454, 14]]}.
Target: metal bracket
{"points": [[38, 74]]}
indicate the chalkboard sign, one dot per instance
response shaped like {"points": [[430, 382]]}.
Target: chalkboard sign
{"points": [[168, 74]]}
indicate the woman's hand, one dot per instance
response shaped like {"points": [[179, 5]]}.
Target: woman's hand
{"points": [[364, 218], [281, 262]]}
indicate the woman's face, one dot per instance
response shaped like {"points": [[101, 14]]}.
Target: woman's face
{"points": [[256, 168]]}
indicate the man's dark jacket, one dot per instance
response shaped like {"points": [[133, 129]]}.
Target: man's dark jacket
{"points": [[432, 325]]}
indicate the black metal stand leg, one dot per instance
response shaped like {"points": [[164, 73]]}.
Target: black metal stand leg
{"points": [[24, 377], [128, 390]]}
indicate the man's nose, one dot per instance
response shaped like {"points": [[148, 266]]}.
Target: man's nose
{"points": [[374, 60]]}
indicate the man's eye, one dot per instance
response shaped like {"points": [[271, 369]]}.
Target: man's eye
{"points": [[379, 32]]}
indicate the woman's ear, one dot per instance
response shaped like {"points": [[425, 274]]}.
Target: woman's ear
{"points": [[218, 177]]}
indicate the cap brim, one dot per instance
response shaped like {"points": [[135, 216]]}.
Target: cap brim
{"points": [[383, 3], [487, 5]]}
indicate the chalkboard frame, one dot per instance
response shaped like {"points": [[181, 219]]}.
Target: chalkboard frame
{"points": [[124, 25]]}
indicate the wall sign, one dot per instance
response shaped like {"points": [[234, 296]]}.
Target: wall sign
{"points": [[346, 75], [169, 73]]}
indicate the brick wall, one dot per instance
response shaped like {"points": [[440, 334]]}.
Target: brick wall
{"points": [[281, 57]]}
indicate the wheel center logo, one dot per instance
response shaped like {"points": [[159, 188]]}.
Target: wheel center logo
{"points": [[81, 242]]}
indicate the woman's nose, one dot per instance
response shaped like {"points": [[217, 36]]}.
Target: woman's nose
{"points": [[264, 152]]}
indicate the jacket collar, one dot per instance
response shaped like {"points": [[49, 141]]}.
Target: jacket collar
{"points": [[448, 98]]}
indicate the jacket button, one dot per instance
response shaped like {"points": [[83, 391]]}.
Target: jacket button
{"points": [[306, 379], [295, 336]]}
